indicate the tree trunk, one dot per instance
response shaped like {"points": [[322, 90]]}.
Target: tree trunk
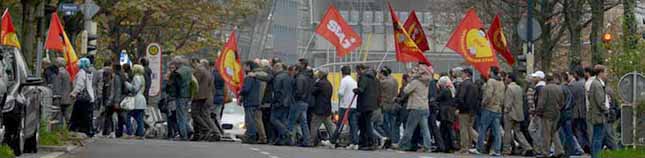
{"points": [[29, 29], [547, 42], [572, 13], [629, 26], [597, 20]]}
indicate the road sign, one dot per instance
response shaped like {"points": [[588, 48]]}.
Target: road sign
{"points": [[522, 28], [631, 86], [69, 8], [153, 53], [89, 9]]}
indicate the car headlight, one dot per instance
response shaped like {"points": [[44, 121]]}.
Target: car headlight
{"points": [[241, 125]]}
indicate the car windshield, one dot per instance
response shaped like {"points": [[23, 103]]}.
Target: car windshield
{"points": [[233, 109]]}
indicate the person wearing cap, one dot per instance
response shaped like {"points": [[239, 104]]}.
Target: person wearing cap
{"points": [[467, 105], [513, 116], [535, 124], [493, 98]]}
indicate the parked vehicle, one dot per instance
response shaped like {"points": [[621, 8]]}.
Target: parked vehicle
{"points": [[22, 99], [233, 121]]}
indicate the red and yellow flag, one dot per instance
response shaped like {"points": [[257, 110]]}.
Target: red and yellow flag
{"points": [[406, 49], [336, 30], [8, 36], [498, 40], [57, 41], [469, 40], [415, 29], [229, 66]]}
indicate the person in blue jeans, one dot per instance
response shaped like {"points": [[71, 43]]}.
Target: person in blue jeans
{"points": [[298, 111], [282, 99], [491, 115], [598, 109], [251, 101], [418, 110]]}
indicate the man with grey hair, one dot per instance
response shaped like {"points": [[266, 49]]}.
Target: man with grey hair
{"points": [[185, 77], [61, 88], [204, 126]]}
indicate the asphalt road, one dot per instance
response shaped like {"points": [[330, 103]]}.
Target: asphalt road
{"points": [[119, 148]]}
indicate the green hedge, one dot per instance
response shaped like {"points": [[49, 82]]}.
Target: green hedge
{"points": [[638, 152], [6, 152]]}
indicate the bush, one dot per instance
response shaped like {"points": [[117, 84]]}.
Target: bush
{"points": [[6, 152], [55, 137], [638, 152]]}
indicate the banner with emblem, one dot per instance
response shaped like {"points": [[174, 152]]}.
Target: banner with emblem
{"points": [[470, 41]]}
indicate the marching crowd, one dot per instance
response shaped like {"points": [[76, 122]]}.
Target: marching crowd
{"points": [[548, 115]]}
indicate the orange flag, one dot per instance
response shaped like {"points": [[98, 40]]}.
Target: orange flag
{"points": [[414, 27], [406, 49], [8, 35], [336, 30], [57, 41], [229, 67], [469, 40], [498, 40]]}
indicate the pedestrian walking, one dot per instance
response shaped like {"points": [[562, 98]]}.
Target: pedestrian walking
{"points": [[83, 92], [447, 113], [416, 92], [598, 109], [205, 128], [322, 93], [548, 108], [282, 100], [391, 110], [136, 87], [490, 119], [298, 111], [513, 116], [346, 95], [251, 101], [467, 105], [367, 103]]}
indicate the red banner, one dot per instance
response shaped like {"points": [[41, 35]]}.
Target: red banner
{"points": [[498, 40], [469, 40], [229, 66], [8, 36], [415, 29], [336, 30], [406, 49], [57, 40]]}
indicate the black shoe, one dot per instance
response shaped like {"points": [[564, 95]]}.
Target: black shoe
{"points": [[249, 140], [214, 138], [529, 153], [367, 148], [196, 138]]}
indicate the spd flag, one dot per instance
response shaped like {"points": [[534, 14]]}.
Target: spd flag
{"points": [[469, 40], [406, 48], [336, 30], [498, 40], [229, 67], [415, 29], [8, 36], [57, 41]]}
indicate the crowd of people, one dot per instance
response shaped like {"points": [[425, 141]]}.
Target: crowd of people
{"points": [[547, 115]]}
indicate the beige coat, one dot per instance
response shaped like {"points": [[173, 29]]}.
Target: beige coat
{"points": [[493, 96], [514, 103], [417, 90]]}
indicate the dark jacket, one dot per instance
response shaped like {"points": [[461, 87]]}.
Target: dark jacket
{"points": [[304, 87], [283, 90], [205, 82], [322, 94], [550, 101], [118, 90], [250, 92], [173, 88], [186, 76], [389, 90], [218, 83], [147, 76], [446, 105], [579, 99], [368, 92], [268, 90], [466, 99]]}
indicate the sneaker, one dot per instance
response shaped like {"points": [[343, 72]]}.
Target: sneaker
{"points": [[382, 142], [352, 147], [395, 146], [474, 151], [495, 154]]}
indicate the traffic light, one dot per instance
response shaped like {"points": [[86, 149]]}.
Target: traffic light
{"points": [[521, 63], [606, 37], [91, 43]]}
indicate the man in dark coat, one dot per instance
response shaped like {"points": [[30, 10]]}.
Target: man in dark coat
{"points": [[147, 75], [467, 105], [282, 100], [298, 111], [321, 111], [250, 101], [367, 103]]}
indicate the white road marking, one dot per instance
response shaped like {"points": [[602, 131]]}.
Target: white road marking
{"points": [[401, 152], [255, 149], [265, 153]]}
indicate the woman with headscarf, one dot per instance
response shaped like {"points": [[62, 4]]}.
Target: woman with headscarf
{"points": [[447, 112], [83, 91], [137, 87]]}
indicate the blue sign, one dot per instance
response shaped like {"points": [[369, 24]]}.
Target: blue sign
{"points": [[69, 8]]}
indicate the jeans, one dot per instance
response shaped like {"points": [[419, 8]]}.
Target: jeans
{"points": [[610, 137], [182, 117], [392, 124], [108, 123], [434, 129], [171, 119], [416, 118], [489, 120], [249, 121], [377, 123], [298, 114], [598, 136], [279, 117], [316, 121], [218, 109], [353, 123], [137, 114], [566, 136], [123, 123], [202, 122], [580, 131]]}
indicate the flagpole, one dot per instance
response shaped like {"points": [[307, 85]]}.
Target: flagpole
{"points": [[302, 55], [382, 60], [366, 50]]}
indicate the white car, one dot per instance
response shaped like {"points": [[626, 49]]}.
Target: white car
{"points": [[233, 121]]}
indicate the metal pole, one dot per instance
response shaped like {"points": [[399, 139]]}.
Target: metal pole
{"points": [[529, 35]]}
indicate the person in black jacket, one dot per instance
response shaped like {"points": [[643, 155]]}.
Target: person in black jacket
{"points": [[282, 100], [367, 103], [467, 106], [251, 101], [321, 111], [298, 111], [446, 112]]}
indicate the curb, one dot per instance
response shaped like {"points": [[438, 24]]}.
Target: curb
{"points": [[53, 155], [59, 151]]}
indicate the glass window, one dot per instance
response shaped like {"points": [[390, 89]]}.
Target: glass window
{"points": [[378, 17], [345, 15], [427, 18], [368, 17], [354, 15], [403, 16]]}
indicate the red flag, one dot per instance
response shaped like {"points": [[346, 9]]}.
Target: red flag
{"points": [[469, 40], [498, 40], [57, 40], [336, 30], [406, 49], [415, 29], [8, 35], [229, 67]]}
